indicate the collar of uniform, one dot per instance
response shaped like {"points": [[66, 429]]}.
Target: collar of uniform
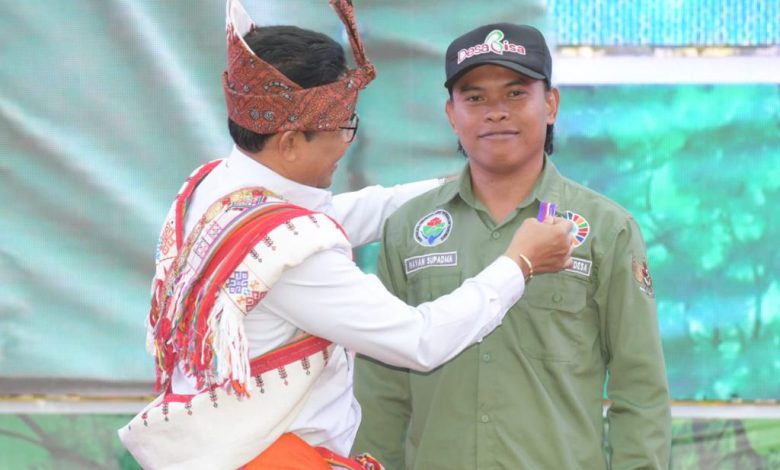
{"points": [[246, 169], [461, 185], [547, 184]]}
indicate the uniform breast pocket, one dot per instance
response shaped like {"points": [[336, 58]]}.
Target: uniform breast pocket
{"points": [[551, 313], [427, 286]]}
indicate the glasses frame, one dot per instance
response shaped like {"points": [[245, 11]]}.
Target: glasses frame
{"points": [[354, 120]]}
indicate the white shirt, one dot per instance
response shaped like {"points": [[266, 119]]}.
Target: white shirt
{"points": [[329, 296]]}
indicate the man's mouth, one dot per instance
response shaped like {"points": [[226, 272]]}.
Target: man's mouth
{"points": [[498, 134]]}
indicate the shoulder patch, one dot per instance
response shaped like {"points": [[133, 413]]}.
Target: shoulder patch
{"points": [[433, 229], [642, 276]]}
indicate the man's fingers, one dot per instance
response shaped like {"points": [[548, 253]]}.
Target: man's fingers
{"points": [[555, 220]]}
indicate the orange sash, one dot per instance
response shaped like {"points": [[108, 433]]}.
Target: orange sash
{"points": [[290, 452]]}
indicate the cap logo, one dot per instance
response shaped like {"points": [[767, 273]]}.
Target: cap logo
{"points": [[495, 43]]}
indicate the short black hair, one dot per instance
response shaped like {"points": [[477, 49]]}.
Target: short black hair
{"points": [[306, 57], [548, 138]]}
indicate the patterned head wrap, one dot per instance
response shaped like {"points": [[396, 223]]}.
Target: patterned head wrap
{"points": [[263, 100]]}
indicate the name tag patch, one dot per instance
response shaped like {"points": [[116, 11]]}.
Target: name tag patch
{"points": [[416, 263], [580, 266]]}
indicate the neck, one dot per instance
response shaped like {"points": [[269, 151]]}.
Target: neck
{"points": [[269, 159], [501, 192]]}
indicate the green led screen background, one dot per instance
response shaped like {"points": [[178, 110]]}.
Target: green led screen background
{"points": [[106, 106], [699, 168]]}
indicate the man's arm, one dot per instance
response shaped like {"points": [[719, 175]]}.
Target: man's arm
{"points": [[355, 310], [639, 417], [363, 213]]}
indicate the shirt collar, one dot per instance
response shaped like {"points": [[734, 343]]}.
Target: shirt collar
{"points": [[547, 186], [243, 168]]}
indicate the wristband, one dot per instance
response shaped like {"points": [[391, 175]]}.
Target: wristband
{"points": [[530, 267]]}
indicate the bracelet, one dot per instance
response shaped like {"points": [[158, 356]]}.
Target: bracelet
{"points": [[530, 267]]}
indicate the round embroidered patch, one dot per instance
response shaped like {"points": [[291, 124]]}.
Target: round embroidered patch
{"points": [[581, 228], [434, 228]]}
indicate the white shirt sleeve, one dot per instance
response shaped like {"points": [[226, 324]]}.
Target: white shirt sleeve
{"points": [[363, 213], [329, 296]]}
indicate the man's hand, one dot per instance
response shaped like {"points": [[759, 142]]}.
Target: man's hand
{"points": [[546, 246]]}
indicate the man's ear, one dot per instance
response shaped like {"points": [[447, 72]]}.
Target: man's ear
{"points": [[553, 99], [450, 112], [288, 145]]}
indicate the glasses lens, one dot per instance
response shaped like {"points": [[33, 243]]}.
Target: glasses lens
{"points": [[355, 122], [350, 131]]}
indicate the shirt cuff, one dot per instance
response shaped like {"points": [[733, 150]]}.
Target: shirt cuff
{"points": [[507, 278]]}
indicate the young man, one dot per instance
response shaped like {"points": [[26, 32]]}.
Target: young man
{"points": [[257, 305], [529, 396]]}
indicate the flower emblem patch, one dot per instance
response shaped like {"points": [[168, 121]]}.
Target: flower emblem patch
{"points": [[433, 229]]}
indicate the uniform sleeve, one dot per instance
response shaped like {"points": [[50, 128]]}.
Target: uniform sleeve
{"points": [[382, 390], [639, 417], [363, 213]]}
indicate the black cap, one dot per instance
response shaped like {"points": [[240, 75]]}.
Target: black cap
{"points": [[520, 48]]}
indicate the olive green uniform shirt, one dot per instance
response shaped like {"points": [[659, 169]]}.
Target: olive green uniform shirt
{"points": [[530, 395]]}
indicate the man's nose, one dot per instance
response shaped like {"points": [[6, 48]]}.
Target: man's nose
{"points": [[497, 112]]}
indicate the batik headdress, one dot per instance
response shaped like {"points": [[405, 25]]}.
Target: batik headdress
{"points": [[263, 100]]}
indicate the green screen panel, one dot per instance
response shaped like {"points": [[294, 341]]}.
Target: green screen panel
{"points": [[699, 168]]}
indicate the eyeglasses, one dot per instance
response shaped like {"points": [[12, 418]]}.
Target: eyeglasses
{"points": [[349, 132]]}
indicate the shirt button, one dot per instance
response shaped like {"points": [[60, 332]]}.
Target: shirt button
{"points": [[486, 357], [557, 298], [485, 418], [496, 235]]}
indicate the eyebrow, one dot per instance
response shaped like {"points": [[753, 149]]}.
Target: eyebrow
{"points": [[467, 87]]}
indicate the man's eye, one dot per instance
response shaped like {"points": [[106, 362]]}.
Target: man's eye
{"points": [[474, 98], [515, 93]]}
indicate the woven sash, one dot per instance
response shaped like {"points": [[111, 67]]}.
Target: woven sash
{"points": [[203, 288]]}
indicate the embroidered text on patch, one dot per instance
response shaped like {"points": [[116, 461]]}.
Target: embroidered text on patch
{"points": [[416, 263], [580, 266], [434, 228]]}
